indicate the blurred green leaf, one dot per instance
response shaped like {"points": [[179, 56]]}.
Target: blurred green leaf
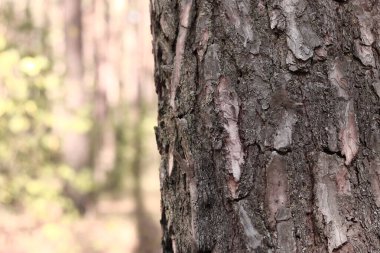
{"points": [[18, 124], [32, 66], [51, 142], [3, 42], [66, 172], [52, 231], [18, 88], [50, 82], [72, 123], [5, 152], [8, 60], [6, 106], [83, 181], [30, 107], [34, 187], [5, 196]]}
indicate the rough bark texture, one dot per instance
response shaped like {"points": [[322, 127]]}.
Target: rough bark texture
{"points": [[268, 125]]}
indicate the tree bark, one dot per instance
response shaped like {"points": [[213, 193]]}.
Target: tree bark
{"points": [[268, 125]]}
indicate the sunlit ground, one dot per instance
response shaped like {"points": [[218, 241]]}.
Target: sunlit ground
{"points": [[105, 232], [109, 227]]}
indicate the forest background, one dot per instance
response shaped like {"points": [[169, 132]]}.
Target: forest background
{"points": [[78, 159]]}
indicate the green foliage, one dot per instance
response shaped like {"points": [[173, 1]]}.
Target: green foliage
{"points": [[31, 173]]}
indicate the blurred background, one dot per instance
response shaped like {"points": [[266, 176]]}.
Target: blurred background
{"points": [[78, 159]]}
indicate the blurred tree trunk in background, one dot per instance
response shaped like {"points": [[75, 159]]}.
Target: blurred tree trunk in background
{"points": [[146, 227], [107, 85], [121, 74], [137, 97], [269, 126], [75, 144], [75, 140]]}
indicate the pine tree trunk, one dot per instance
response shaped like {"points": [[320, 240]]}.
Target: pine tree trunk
{"points": [[268, 125], [75, 145], [106, 90]]}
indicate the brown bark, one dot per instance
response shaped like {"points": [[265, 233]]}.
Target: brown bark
{"points": [[268, 125]]}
